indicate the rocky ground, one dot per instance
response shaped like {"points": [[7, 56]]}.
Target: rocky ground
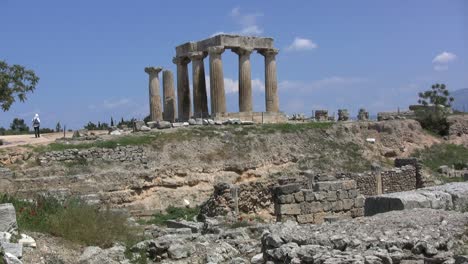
{"points": [[418, 235]]}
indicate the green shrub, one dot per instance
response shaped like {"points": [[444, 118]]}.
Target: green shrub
{"points": [[443, 154], [174, 213], [434, 121], [73, 220]]}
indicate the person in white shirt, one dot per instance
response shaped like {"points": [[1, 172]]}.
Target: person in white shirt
{"points": [[36, 124]]}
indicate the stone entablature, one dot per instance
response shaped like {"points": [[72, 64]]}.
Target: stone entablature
{"points": [[227, 41]]}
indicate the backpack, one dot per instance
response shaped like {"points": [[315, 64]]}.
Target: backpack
{"points": [[36, 122]]}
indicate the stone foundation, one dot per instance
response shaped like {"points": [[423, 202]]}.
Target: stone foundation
{"points": [[256, 117], [326, 201]]}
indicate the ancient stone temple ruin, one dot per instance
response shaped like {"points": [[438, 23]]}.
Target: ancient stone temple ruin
{"points": [[196, 104]]}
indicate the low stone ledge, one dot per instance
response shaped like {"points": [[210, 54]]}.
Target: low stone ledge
{"points": [[452, 196]]}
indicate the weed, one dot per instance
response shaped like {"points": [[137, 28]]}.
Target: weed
{"points": [[174, 213], [442, 154], [73, 220]]}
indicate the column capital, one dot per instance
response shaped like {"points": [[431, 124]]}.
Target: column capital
{"points": [[197, 55], [181, 60], [216, 50], [153, 70], [268, 52], [242, 51]]}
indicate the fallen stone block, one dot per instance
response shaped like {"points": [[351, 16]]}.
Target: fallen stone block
{"points": [[11, 259], [163, 125], [13, 248], [452, 196], [194, 226], [8, 218]]}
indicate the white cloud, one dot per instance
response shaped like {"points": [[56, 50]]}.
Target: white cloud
{"points": [[248, 23], [302, 44], [442, 60], [444, 57]]}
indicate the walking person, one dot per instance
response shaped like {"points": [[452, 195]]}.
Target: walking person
{"points": [[36, 124]]}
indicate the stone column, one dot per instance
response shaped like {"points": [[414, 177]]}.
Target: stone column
{"points": [[183, 89], [169, 96], [218, 97], [245, 79], [200, 100], [271, 81], [154, 94]]}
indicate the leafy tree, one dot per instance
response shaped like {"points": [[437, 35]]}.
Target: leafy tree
{"points": [[19, 126], [436, 107], [58, 127], [438, 95], [90, 126], [15, 82]]}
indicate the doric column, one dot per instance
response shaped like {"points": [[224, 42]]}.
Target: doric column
{"points": [[271, 81], [218, 97], [183, 89], [245, 79], [169, 96], [200, 100], [155, 98]]}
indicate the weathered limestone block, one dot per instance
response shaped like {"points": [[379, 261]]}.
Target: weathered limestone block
{"points": [[352, 193], [286, 199], [305, 218], [349, 184], [342, 194], [319, 217], [359, 201], [331, 196], [287, 189], [309, 195], [337, 206], [310, 207], [299, 197], [289, 209], [348, 204]]}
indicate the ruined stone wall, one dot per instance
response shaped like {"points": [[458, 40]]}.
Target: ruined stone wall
{"points": [[366, 182], [120, 154], [403, 178], [250, 197], [399, 179], [416, 163], [327, 200]]}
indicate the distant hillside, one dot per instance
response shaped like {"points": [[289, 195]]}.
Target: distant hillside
{"points": [[461, 99]]}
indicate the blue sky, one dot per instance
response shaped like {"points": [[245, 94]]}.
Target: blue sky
{"points": [[90, 55]]}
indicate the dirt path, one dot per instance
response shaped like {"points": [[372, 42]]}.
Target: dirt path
{"points": [[18, 140]]}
